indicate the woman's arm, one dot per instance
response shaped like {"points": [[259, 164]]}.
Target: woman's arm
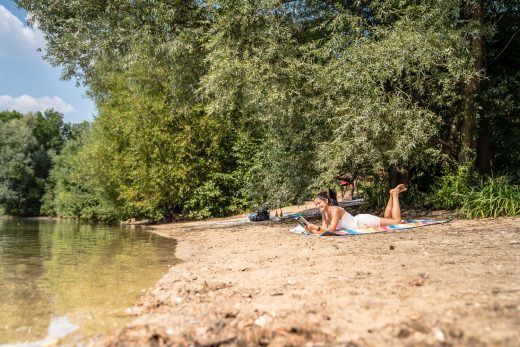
{"points": [[326, 224], [337, 213], [314, 229], [324, 221]]}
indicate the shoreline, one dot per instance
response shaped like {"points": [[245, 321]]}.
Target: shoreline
{"points": [[258, 284]]}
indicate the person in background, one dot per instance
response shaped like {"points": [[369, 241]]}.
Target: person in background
{"points": [[347, 183], [335, 217]]}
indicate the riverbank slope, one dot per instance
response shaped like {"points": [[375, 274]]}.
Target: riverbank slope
{"points": [[243, 284]]}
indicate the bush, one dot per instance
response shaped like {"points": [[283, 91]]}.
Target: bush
{"points": [[375, 193], [476, 196], [214, 198], [449, 190], [497, 197]]}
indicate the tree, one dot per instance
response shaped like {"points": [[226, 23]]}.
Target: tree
{"points": [[29, 144], [6, 116], [71, 189], [18, 185], [239, 103], [499, 117], [256, 74]]}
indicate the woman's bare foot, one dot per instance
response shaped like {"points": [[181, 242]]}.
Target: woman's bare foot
{"points": [[399, 189]]}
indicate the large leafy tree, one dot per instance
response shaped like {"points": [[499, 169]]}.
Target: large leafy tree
{"points": [[393, 76], [72, 189], [19, 188], [256, 72], [28, 145], [49, 131], [205, 104], [153, 148], [153, 152]]}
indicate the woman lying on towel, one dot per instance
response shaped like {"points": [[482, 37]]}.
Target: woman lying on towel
{"points": [[335, 217]]}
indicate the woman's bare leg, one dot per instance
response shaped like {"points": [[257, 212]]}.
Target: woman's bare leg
{"points": [[388, 209], [393, 207]]}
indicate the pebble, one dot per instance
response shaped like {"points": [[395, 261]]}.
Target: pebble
{"points": [[263, 320], [456, 333], [439, 335]]}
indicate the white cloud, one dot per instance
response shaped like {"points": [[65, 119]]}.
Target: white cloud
{"points": [[17, 39], [26, 103]]}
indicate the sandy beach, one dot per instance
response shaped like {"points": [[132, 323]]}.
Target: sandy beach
{"points": [[257, 284]]}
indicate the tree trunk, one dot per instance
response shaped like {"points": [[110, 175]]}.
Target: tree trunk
{"points": [[470, 118], [484, 147]]}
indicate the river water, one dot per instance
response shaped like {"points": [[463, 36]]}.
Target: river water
{"points": [[69, 281]]}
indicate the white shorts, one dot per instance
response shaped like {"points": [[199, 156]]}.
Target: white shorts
{"points": [[367, 221]]}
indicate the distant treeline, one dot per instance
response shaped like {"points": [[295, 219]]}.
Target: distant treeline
{"points": [[29, 148], [208, 108]]}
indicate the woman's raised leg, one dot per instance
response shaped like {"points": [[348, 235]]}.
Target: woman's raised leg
{"points": [[388, 209], [393, 209]]}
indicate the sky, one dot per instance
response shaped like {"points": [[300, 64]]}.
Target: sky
{"points": [[27, 82]]}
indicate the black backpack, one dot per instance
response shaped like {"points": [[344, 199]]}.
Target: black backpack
{"points": [[260, 215]]}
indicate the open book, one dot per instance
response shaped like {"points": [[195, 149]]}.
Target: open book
{"points": [[302, 221]]}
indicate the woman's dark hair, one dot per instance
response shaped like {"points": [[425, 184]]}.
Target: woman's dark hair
{"points": [[325, 196], [333, 198], [322, 196]]}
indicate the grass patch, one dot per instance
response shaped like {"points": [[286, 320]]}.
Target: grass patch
{"points": [[496, 197]]}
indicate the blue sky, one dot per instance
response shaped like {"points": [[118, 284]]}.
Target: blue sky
{"points": [[29, 83]]}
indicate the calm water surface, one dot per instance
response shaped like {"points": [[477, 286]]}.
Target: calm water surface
{"points": [[72, 281]]}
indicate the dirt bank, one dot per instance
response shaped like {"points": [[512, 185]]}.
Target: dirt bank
{"points": [[243, 284]]}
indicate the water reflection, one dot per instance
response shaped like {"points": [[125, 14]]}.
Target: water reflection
{"points": [[58, 328], [86, 272]]}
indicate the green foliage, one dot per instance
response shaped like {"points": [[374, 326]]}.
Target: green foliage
{"points": [[72, 189], [450, 190], [28, 145], [211, 107], [48, 130], [375, 194], [496, 197], [19, 188], [210, 199], [501, 92], [391, 86], [478, 197], [6, 116], [154, 145]]}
